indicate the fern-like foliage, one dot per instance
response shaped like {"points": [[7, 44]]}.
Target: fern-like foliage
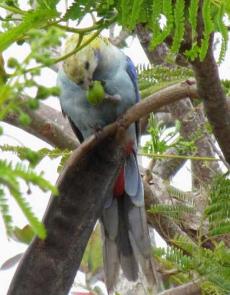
{"points": [[9, 180], [218, 211], [208, 28], [174, 211], [185, 197], [34, 157], [222, 29], [12, 175], [179, 24], [165, 18], [152, 13], [190, 259], [152, 78], [4, 210]]}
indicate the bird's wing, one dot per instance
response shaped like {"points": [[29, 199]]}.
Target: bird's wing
{"points": [[131, 70], [76, 131]]}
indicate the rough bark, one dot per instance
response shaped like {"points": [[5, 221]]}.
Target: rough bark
{"points": [[49, 266], [210, 90], [215, 103]]}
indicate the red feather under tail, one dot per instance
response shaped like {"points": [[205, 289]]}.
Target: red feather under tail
{"points": [[119, 186]]}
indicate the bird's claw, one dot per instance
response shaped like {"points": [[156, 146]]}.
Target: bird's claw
{"points": [[114, 98], [96, 130]]}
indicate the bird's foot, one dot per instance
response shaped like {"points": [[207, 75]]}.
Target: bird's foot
{"points": [[113, 98], [97, 129]]}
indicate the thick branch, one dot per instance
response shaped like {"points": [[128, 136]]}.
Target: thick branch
{"points": [[49, 266], [210, 90]]}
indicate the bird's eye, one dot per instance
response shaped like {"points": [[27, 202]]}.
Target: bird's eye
{"points": [[80, 82], [86, 65]]}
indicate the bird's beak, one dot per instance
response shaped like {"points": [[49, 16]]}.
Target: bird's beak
{"points": [[87, 83]]}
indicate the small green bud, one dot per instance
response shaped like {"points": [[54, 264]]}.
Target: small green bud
{"points": [[33, 104], [96, 93], [55, 91], [42, 92], [24, 119]]}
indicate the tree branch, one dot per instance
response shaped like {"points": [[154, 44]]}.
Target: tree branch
{"points": [[210, 90], [49, 125], [191, 288]]}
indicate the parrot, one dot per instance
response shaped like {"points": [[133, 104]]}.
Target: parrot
{"points": [[100, 64]]}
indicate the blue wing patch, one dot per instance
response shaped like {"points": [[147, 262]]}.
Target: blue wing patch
{"points": [[131, 70]]}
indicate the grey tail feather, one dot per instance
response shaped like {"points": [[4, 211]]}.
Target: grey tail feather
{"points": [[117, 248], [128, 261], [126, 243], [111, 260], [140, 240]]}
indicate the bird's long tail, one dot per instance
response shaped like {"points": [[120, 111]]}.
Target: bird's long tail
{"points": [[125, 231]]}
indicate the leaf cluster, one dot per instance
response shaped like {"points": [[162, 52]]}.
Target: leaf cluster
{"points": [[12, 176], [166, 19], [191, 259], [9, 181]]}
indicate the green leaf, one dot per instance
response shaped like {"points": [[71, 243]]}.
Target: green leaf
{"points": [[31, 20], [92, 260], [179, 25], [5, 212], [23, 235], [78, 9], [24, 119]]}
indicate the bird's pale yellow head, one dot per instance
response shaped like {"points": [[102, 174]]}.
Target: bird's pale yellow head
{"points": [[80, 66]]}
